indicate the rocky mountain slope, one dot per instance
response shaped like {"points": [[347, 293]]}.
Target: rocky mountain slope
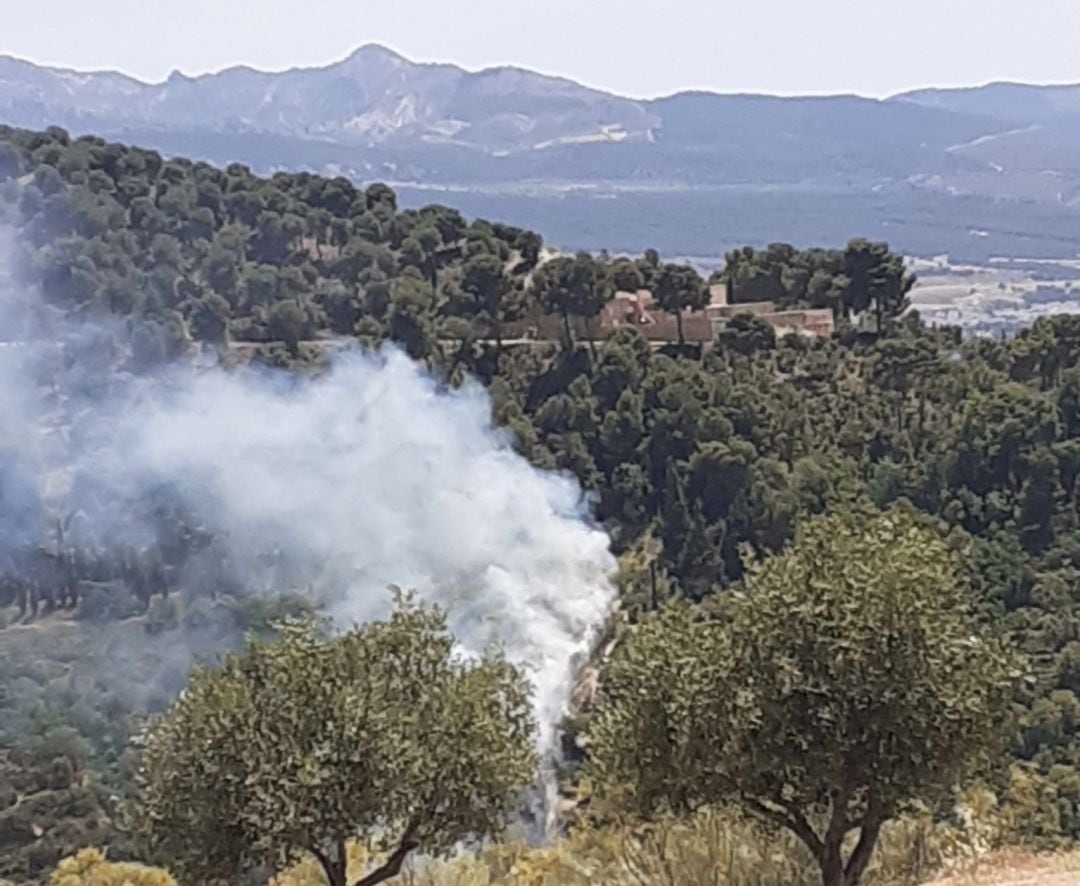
{"points": [[374, 97]]}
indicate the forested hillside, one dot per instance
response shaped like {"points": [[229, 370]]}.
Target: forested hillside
{"points": [[702, 461]]}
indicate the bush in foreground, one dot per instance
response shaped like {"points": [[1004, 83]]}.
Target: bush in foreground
{"points": [[89, 868], [847, 681], [295, 748]]}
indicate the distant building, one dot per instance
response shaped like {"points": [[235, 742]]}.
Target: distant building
{"points": [[638, 310], [810, 321]]}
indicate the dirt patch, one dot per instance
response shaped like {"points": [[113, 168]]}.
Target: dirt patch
{"points": [[1018, 869]]}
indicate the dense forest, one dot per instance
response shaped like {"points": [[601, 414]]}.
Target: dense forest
{"points": [[703, 461]]}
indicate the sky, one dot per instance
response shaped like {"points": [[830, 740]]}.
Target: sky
{"points": [[642, 48]]}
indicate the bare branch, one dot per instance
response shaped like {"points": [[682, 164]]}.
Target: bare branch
{"points": [[328, 866], [838, 822], [392, 866], [869, 829], [792, 819], [864, 849]]}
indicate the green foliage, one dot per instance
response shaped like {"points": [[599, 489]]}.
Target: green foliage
{"points": [[298, 746], [746, 335], [488, 294], [291, 321], [577, 286], [717, 847], [695, 459], [47, 811], [237, 259], [846, 681], [864, 278], [106, 602], [679, 288]]}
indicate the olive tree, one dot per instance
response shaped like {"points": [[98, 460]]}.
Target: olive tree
{"points": [[845, 680], [296, 747]]}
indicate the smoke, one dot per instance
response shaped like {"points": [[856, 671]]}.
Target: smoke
{"points": [[372, 475], [339, 485]]}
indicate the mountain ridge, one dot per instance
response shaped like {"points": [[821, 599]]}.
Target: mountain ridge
{"points": [[379, 48], [372, 60], [1002, 159]]}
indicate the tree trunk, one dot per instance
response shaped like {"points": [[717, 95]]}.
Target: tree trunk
{"points": [[835, 871], [333, 868], [678, 326], [864, 849], [336, 868], [568, 332], [393, 864], [832, 869], [829, 849]]}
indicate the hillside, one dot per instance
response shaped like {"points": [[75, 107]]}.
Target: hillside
{"points": [[158, 501], [1053, 108], [971, 173]]}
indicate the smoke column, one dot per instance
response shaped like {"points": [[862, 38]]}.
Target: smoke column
{"points": [[368, 475], [374, 476]]}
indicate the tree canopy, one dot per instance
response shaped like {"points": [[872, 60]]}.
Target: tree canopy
{"points": [[844, 681], [679, 288], [299, 746], [576, 286], [863, 278]]}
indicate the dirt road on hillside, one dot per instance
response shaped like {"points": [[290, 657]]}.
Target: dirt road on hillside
{"points": [[1020, 870]]}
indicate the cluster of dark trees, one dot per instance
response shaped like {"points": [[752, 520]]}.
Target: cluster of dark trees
{"points": [[863, 278], [60, 572], [222, 255], [702, 459]]}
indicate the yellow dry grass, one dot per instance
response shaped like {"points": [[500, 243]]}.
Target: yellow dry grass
{"points": [[89, 867], [714, 849]]}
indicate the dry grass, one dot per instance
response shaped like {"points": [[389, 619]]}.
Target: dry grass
{"points": [[724, 848], [715, 849], [89, 867]]}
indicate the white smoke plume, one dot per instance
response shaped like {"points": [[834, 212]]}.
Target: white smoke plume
{"points": [[368, 475], [380, 477]]}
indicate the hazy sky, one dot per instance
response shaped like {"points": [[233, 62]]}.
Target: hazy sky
{"points": [[636, 47]]}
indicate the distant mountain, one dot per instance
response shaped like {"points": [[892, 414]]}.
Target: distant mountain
{"points": [[978, 171], [1053, 107], [1033, 154], [374, 97]]}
